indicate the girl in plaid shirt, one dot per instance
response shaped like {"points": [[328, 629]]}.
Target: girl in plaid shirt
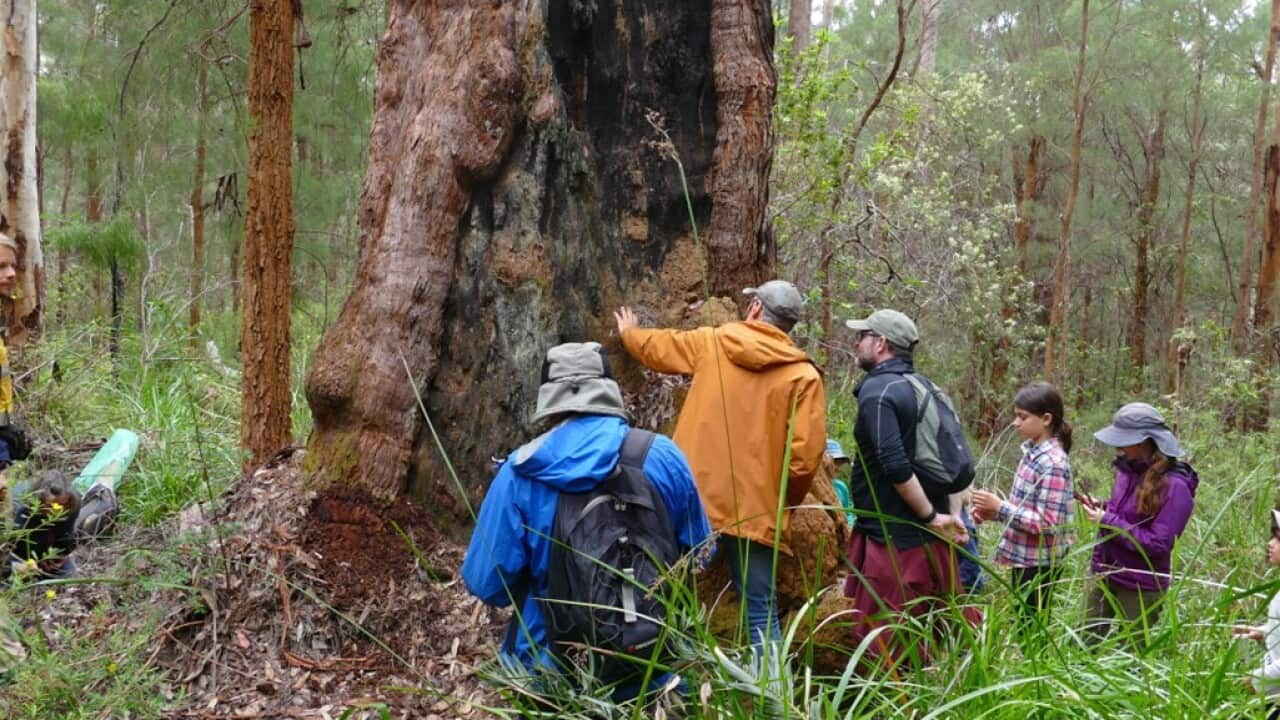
{"points": [[1038, 515]]}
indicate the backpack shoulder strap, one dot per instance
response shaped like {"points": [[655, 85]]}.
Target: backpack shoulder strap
{"points": [[635, 448], [922, 387]]}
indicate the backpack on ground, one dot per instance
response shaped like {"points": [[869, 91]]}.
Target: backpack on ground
{"points": [[610, 549], [942, 462]]}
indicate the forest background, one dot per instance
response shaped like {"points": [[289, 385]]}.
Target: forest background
{"points": [[1079, 191]]}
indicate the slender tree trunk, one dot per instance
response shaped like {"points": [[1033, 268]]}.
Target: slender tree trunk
{"points": [[1059, 317], [927, 59], [1026, 198], [541, 216], [21, 218], [1028, 191], [68, 164], [197, 205], [93, 209], [1269, 271], [1153, 149], [1175, 357], [1240, 321], [265, 423], [799, 18]]}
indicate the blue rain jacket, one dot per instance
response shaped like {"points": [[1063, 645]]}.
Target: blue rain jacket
{"points": [[506, 562]]}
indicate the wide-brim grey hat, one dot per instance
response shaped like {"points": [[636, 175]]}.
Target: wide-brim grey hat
{"points": [[1137, 422], [576, 379]]}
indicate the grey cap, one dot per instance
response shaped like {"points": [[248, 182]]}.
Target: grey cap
{"points": [[1136, 422], [891, 325], [780, 297], [576, 379]]}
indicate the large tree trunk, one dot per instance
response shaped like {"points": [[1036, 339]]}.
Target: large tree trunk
{"points": [[1176, 355], [197, 205], [21, 219], [1055, 344], [515, 196], [1240, 321], [1153, 149], [268, 234]]}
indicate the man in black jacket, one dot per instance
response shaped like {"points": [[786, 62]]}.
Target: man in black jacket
{"points": [[901, 545]]}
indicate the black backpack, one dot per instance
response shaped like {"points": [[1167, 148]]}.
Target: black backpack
{"points": [[610, 549], [942, 461]]}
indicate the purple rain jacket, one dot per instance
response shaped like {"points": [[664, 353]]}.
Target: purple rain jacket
{"points": [[1134, 549]]}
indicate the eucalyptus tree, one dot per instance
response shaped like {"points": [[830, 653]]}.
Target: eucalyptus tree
{"points": [[515, 194]]}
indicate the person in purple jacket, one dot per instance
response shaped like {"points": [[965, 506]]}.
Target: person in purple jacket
{"points": [[1150, 504]]}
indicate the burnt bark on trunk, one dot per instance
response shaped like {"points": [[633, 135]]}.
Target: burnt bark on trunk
{"points": [[265, 423], [515, 195], [1153, 149]]}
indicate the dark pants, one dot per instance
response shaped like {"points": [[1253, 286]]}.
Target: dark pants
{"points": [[1110, 607], [1034, 587], [892, 586]]}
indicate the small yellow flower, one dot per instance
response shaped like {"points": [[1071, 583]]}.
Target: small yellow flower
{"points": [[49, 594], [31, 563], [112, 667], [57, 507]]}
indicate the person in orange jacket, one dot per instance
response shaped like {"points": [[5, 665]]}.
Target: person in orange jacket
{"points": [[753, 426]]}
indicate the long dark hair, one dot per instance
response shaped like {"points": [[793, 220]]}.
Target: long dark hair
{"points": [[1152, 490], [1040, 398]]}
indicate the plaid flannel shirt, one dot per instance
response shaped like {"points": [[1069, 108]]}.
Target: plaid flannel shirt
{"points": [[1039, 514]]}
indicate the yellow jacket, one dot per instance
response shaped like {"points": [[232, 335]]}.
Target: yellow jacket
{"points": [[733, 427], [6, 385]]}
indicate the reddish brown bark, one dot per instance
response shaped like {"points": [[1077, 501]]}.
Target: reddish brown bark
{"points": [[1240, 321], [265, 423], [1153, 150], [740, 247], [197, 207], [514, 198], [1264, 312]]}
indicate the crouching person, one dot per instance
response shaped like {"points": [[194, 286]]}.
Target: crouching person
{"points": [[579, 528], [44, 517]]}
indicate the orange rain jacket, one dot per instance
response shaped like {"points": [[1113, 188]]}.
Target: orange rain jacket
{"points": [[736, 439]]}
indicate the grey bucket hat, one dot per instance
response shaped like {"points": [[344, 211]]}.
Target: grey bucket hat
{"points": [[576, 379], [1136, 422]]}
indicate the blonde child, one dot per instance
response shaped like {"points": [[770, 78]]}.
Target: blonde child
{"points": [[1038, 515]]}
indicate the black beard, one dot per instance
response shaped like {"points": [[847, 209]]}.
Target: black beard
{"points": [[867, 364]]}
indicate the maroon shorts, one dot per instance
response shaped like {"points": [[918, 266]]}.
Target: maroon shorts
{"points": [[891, 586]]}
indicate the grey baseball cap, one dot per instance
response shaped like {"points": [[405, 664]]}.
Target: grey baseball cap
{"points": [[890, 325], [1137, 422], [780, 297]]}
